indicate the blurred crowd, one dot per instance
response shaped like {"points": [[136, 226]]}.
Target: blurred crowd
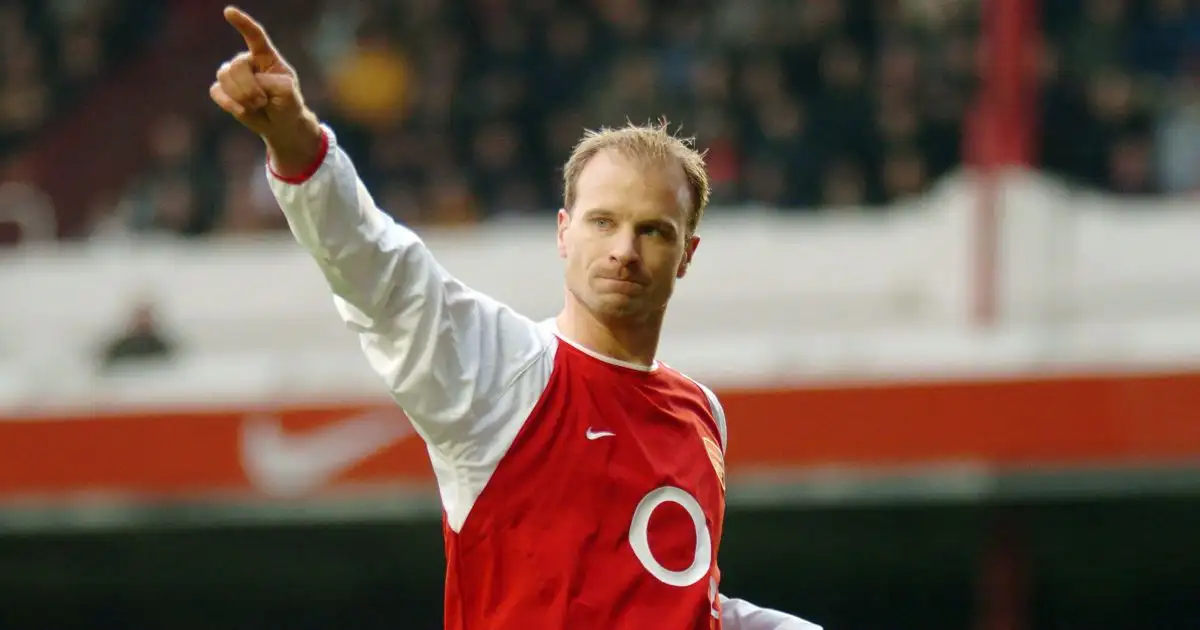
{"points": [[53, 51], [458, 111], [799, 105], [1121, 96]]}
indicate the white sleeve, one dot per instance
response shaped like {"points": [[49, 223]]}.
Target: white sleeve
{"points": [[718, 412], [739, 614], [447, 354]]}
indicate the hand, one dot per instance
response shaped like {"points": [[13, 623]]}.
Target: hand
{"points": [[259, 88]]}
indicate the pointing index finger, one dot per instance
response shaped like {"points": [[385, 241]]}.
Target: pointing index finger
{"points": [[256, 38]]}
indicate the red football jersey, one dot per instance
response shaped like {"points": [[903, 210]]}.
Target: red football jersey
{"points": [[579, 492], [605, 512]]}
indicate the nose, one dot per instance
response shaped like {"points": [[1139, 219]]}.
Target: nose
{"points": [[623, 248]]}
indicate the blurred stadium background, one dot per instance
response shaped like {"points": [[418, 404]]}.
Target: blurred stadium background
{"points": [[948, 292]]}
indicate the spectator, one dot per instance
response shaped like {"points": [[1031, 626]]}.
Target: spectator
{"points": [[25, 98], [1130, 166], [1164, 40], [370, 82], [1178, 139], [167, 197], [843, 185], [142, 340], [1099, 40]]}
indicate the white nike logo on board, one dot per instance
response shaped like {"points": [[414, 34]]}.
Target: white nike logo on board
{"points": [[290, 464], [596, 435]]}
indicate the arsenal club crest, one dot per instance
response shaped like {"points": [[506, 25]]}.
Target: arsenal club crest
{"points": [[717, 458]]}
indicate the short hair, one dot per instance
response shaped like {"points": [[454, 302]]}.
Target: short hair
{"points": [[653, 143]]}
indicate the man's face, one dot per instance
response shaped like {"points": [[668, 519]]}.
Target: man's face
{"points": [[625, 240]]}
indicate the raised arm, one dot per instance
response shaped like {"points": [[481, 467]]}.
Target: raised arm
{"points": [[442, 348], [447, 354]]}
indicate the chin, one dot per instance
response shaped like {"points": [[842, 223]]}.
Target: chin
{"points": [[618, 306]]}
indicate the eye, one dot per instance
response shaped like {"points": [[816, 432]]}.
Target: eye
{"points": [[656, 231], [602, 222]]}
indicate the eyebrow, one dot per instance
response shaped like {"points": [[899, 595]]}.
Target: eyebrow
{"points": [[661, 224]]}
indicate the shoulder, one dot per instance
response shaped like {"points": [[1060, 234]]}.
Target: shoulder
{"points": [[547, 329], [710, 397]]}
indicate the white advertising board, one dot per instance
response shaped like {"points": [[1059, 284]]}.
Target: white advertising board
{"points": [[1083, 279]]}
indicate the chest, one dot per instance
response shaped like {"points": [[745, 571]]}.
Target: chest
{"points": [[602, 449]]}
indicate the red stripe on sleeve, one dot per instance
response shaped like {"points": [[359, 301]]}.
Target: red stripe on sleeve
{"points": [[310, 170]]}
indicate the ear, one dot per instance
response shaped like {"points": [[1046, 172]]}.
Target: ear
{"points": [[564, 221], [689, 250]]}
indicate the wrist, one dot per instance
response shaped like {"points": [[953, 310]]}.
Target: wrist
{"points": [[295, 153]]}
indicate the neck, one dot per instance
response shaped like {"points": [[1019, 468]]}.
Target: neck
{"points": [[633, 342]]}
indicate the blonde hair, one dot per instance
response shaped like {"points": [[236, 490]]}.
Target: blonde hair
{"points": [[652, 143]]}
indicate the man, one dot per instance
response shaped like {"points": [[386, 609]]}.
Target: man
{"points": [[582, 481]]}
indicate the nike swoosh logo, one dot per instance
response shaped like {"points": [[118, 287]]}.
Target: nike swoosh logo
{"points": [[596, 435], [287, 465]]}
